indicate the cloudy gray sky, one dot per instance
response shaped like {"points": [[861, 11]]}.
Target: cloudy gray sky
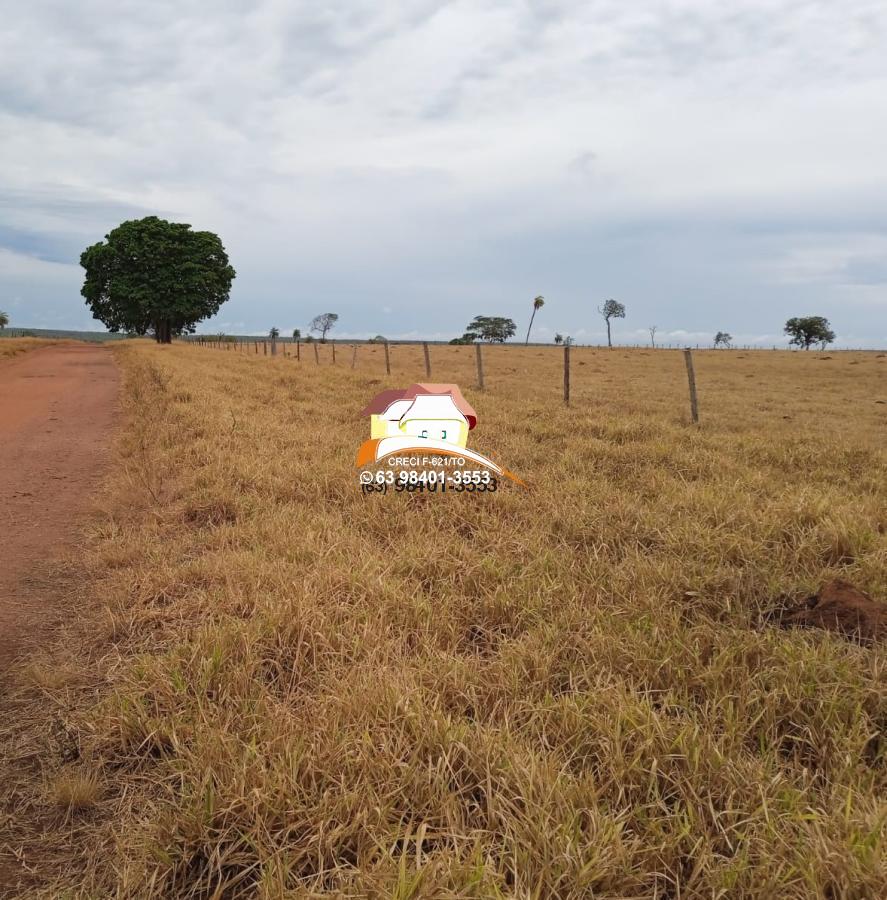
{"points": [[410, 163]]}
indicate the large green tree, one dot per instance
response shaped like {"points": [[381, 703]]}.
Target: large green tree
{"points": [[150, 275], [493, 329], [4, 319], [807, 330]]}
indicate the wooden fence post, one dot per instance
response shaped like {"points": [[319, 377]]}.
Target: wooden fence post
{"points": [[691, 377], [257, 348], [480, 366], [427, 359], [316, 353], [333, 345], [299, 351], [264, 348], [566, 374], [387, 360], [274, 346], [354, 356]]}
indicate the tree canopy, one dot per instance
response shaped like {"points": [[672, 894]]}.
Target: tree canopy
{"points": [[493, 329], [4, 319], [804, 331], [150, 275], [723, 339]]}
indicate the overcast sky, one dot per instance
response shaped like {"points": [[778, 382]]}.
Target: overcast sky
{"points": [[410, 164]]}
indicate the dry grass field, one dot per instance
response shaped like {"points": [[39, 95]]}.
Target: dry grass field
{"points": [[10, 347], [569, 691]]}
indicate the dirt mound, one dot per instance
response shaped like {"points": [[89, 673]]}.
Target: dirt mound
{"points": [[841, 607]]}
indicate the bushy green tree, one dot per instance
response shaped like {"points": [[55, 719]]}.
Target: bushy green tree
{"points": [[804, 331], [492, 329], [723, 339], [150, 275], [4, 319]]}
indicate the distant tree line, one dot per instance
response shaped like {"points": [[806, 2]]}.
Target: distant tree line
{"points": [[159, 277]]}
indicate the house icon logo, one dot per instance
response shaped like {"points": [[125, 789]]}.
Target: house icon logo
{"points": [[425, 419]]}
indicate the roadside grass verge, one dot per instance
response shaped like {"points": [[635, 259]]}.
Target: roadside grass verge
{"points": [[565, 692], [10, 347]]}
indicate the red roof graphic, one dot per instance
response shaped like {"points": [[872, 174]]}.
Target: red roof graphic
{"points": [[382, 401]]}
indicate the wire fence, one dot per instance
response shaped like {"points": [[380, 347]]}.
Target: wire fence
{"points": [[415, 359]]}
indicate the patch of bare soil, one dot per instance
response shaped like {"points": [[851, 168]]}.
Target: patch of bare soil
{"points": [[842, 608]]}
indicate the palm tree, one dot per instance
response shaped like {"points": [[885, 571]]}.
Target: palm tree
{"points": [[538, 303], [4, 319]]}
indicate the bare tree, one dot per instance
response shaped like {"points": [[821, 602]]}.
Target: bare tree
{"points": [[323, 323], [653, 329]]}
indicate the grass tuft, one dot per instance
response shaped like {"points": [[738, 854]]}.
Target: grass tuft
{"points": [[75, 792]]}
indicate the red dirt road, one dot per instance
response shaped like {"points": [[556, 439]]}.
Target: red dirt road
{"points": [[57, 408]]}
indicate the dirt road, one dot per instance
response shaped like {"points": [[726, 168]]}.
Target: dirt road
{"points": [[57, 407]]}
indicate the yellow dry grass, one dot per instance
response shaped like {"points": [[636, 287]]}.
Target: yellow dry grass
{"points": [[567, 692], [10, 347]]}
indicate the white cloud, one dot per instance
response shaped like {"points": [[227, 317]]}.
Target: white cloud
{"points": [[22, 267]]}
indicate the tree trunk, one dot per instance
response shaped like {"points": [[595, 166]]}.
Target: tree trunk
{"points": [[163, 332], [609, 342], [527, 341]]}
